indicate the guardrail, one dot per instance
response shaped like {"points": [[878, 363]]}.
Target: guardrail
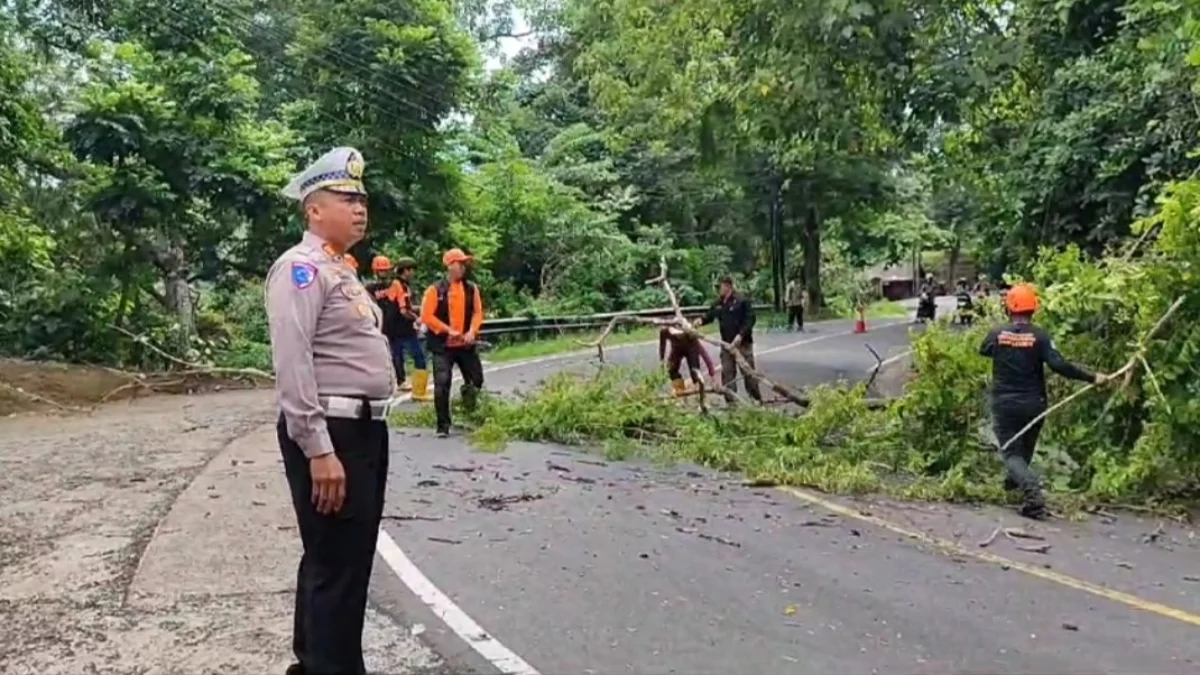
{"points": [[517, 327]]}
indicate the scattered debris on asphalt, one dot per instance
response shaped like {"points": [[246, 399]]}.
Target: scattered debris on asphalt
{"points": [[456, 469], [443, 540], [720, 540], [501, 502], [991, 537], [401, 516], [1018, 533], [1070, 626], [427, 483], [557, 467], [1043, 548]]}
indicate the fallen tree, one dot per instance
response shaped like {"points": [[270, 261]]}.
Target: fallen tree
{"points": [[679, 322], [1134, 313]]}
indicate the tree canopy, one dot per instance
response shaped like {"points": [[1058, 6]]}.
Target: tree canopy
{"points": [[143, 146]]}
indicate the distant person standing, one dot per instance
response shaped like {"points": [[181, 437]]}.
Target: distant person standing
{"points": [[452, 311], [795, 304], [334, 380], [735, 318]]}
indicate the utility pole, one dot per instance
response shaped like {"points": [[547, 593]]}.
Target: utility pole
{"points": [[778, 268]]}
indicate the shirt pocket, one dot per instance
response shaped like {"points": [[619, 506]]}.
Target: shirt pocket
{"points": [[350, 301]]}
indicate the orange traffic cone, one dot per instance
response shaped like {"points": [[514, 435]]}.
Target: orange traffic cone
{"points": [[860, 326]]}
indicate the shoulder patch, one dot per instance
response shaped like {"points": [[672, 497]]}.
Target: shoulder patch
{"points": [[303, 275]]}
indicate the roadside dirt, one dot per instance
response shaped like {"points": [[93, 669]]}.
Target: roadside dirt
{"points": [[47, 387], [82, 587], [82, 497]]}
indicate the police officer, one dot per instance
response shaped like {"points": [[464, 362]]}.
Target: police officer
{"points": [[735, 320], [452, 311], [1019, 352], [334, 381]]}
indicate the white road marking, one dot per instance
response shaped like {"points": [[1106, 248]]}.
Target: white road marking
{"points": [[779, 348], [491, 649], [451, 614]]}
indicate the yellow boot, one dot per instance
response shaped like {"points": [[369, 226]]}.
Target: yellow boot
{"points": [[678, 387], [420, 386]]}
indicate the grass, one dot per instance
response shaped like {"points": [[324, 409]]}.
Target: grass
{"points": [[839, 446]]}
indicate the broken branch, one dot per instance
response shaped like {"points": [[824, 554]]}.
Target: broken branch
{"points": [[1126, 370]]}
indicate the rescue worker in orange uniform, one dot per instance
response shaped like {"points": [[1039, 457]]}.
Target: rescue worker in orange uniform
{"points": [[683, 346], [452, 311], [394, 297], [1019, 353]]}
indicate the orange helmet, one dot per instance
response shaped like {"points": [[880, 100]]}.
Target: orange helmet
{"points": [[455, 255], [380, 263], [1021, 299]]}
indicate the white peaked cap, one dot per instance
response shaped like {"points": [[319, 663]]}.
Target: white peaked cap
{"points": [[339, 170]]}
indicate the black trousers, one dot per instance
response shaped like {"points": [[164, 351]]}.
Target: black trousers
{"points": [[796, 316], [675, 362], [729, 372], [469, 365], [339, 549], [1009, 416]]}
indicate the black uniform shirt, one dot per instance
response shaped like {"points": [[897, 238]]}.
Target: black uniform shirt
{"points": [[735, 316], [1018, 352]]}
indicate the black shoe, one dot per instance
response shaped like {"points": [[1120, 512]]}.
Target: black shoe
{"points": [[443, 432], [1034, 507], [294, 669]]}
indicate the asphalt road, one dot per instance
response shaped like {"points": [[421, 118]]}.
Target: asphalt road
{"points": [[575, 565]]}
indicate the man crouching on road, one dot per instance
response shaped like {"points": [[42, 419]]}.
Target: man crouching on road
{"points": [[683, 346], [735, 317], [1019, 351], [452, 310]]}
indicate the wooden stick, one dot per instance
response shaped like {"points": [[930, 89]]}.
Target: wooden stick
{"points": [[40, 399], [1126, 369], [195, 368]]}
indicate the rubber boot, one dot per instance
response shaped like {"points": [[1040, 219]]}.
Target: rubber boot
{"points": [[420, 386], [678, 387]]}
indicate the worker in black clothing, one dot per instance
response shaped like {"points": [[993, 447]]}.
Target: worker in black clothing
{"points": [[965, 305], [735, 317], [1019, 351]]}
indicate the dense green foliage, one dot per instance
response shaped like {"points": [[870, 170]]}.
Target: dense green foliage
{"points": [[142, 146], [1133, 442]]}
